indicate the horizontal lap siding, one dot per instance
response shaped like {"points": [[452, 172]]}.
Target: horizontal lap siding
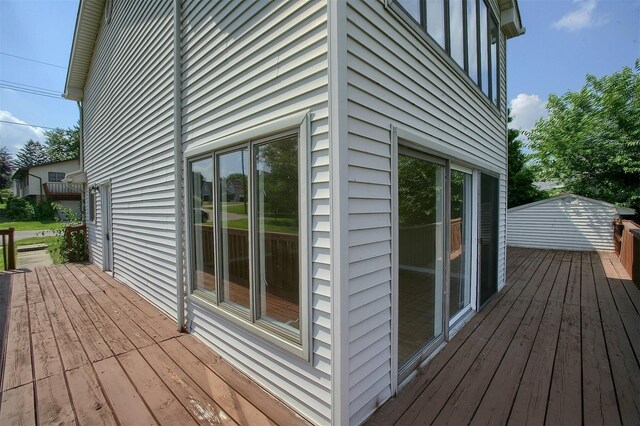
{"points": [[394, 78], [563, 225], [128, 138], [245, 64]]}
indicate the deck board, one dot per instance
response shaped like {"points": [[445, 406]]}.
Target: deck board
{"points": [[559, 344], [81, 347]]}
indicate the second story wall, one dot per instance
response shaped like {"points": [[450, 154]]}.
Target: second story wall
{"points": [[396, 78], [128, 141]]}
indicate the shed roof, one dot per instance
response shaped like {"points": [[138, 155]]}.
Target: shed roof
{"points": [[619, 210]]}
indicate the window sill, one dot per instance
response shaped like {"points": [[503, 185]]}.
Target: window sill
{"points": [[204, 301]]}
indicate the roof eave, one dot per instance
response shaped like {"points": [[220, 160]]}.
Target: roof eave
{"points": [[510, 19]]}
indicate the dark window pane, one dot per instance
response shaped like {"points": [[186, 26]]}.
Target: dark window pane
{"points": [[484, 49], [276, 190], [456, 27], [435, 20], [412, 7], [202, 229], [472, 40], [233, 168], [495, 66]]}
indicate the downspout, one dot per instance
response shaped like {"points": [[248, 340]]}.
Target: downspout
{"points": [[177, 160], [80, 134]]}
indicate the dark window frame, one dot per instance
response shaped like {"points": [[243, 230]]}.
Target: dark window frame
{"points": [[491, 16], [55, 176]]}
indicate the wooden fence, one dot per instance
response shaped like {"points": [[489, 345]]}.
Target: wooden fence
{"points": [[419, 243], [8, 249], [75, 238], [626, 243]]}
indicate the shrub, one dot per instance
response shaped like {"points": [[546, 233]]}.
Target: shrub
{"points": [[46, 210], [5, 194], [19, 209], [77, 250]]}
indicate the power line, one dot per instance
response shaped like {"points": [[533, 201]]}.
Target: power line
{"points": [[33, 60], [27, 124], [32, 92], [53, 91]]}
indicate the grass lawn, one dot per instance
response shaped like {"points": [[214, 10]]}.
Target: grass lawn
{"points": [[52, 249], [33, 225]]}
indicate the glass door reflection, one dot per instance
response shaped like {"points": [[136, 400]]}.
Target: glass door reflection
{"points": [[460, 256], [421, 248]]}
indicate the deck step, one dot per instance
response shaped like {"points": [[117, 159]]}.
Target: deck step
{"points": [[32, 247]]}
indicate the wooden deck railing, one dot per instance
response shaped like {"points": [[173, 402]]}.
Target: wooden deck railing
{"points": [[8, 249], [626, 242], [75, 238]]}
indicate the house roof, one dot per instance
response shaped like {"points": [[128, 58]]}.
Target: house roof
{"points": [[90, 17], [619, 210], [19, 173], [84, 38]]}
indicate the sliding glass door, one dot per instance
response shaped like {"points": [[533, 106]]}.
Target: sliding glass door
{"points": [[421, 217]]}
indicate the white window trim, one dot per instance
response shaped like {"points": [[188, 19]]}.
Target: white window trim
{"points": [[301, 121]]}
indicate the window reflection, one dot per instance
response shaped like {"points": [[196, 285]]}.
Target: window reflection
{"points": [[234, 225], [472, 40], [202, 228], [460, 257], [435, 21], [493, 31], [484, 50], [457, 31], [412, 7], [276, 168]]}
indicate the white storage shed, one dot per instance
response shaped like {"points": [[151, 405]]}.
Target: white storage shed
{"points": [[564, 222]]}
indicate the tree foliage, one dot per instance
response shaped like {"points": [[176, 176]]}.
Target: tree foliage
{"points": [[521, 175], [32, 154], [590, 141], [6, 167], [63, 144]]}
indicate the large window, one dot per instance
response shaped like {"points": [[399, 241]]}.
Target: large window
{"points": [[245, 233], [467, 31], [56, 176]]}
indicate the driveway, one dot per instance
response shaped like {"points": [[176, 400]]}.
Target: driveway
{"points": [[23, 235]]}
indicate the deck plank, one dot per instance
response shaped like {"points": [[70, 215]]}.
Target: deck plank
{"points": [[125, 400], [46, 286], [530, 404], [88, 400], [267, 404], [514, 336], [166, 408], [113, 336], [599, 397], [58, 282], [53, 402], [233, 403], [565, 396], [18, 406], [18, 290], [204, 409], [588, 296], [76, 286], [46, 360], [34, 294], [133, 332], [17, 361], [572, 295], [76, 274], [71, 350], [91, 339]]}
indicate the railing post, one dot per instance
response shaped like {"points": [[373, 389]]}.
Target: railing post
{"points": [[11, 250]]}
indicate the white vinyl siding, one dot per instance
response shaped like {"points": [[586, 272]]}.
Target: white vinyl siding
{"points": [[563, 223], [128, 138], [396, 78], [246, 64]]}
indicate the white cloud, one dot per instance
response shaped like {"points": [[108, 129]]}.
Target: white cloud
{"points": [[526, 110], [582, 16], [14, 136]]}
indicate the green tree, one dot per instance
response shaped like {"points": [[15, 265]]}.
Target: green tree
{"points": [[521, 175], [63, 144], [6, 167], [590, 141], [32, 154]]}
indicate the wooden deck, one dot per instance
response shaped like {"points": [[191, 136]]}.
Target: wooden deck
{"points": [[560, 344], [79, 347]]}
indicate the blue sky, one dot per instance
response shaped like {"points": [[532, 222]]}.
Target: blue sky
{"points": [[565, 40]]}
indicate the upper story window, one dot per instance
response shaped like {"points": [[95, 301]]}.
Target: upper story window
{"points": [[467, 31], [56, 176]]}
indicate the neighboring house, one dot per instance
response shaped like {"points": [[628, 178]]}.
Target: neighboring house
{"points": [[565, 222], [363, 140], [45, 181]]}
